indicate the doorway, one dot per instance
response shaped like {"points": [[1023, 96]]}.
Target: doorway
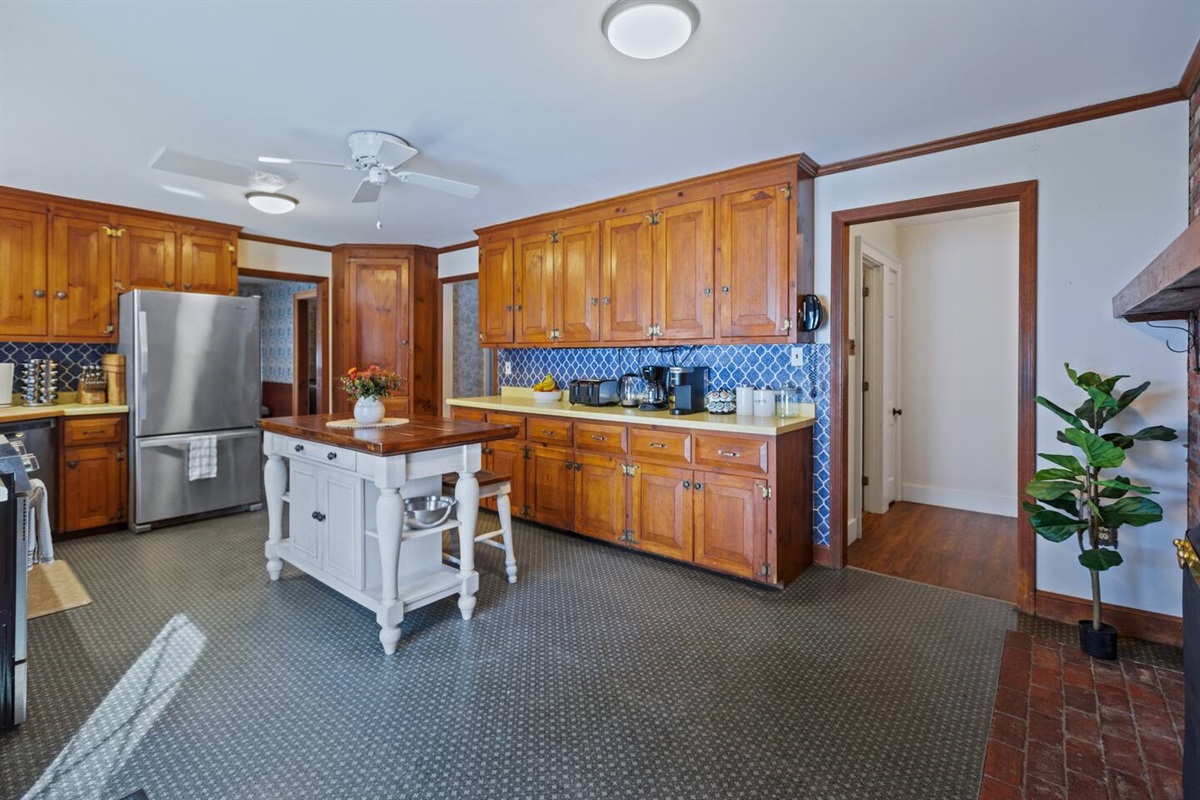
{"points": [[306, 349], [888, 415]]}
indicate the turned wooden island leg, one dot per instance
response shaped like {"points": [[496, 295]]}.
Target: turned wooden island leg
{"points": [[275, 482], [466, 492], [388, 518]]}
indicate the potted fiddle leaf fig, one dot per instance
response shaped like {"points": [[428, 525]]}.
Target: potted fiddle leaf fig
{"points": [[1081, 498]]}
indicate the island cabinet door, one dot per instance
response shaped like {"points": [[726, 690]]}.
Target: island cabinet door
{"points": [[601, 497], [662, 518], [340, 498], [550, 484], [303, 512], [731, 524]]}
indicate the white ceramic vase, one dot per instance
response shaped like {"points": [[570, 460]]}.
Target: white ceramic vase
{"points": [[368, 410]]}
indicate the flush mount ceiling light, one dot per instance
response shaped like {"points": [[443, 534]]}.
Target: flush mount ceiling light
{"points": [[649, 28], [270, 203]]}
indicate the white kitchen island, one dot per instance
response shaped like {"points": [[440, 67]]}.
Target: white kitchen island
{"points": [[344, 492]]}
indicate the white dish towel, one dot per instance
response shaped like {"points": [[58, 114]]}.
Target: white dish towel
{"points": [[38, 507], [202, 458]]}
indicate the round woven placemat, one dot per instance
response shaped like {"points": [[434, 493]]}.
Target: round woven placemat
{"points": [[386, 422]]}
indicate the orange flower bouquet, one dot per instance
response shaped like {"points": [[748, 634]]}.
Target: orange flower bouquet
{"points": [[370, 382]]}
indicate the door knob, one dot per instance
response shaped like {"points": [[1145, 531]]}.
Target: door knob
{"points": [[299, 448], [331, 456]]}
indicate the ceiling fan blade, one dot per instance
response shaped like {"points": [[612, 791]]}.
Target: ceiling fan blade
{"points": [[278, 160], [458, 188], [393, 152], [367, 192], [209, 169]]}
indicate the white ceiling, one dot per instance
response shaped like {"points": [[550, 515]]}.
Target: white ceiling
{"points": [[525, 98]]}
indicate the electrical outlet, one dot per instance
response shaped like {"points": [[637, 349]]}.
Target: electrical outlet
{"points": [[508, 368], [797, 356]]}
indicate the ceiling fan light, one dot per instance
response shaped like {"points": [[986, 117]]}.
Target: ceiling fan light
{"points": [[270, 203], [649, 28], [274, 160]]}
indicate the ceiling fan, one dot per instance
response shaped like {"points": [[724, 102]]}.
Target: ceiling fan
{"points": [[380, 155]]}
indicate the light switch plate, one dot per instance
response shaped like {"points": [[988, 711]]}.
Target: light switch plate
{"points": [[508, 368], [797, 356]]}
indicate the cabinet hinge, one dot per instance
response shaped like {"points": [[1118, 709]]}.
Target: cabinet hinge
{"points": [[787, 324], [230, 247], [787, 192], [866, 291], [627, 535], [765, 490], [866, 386], [554, 237], [526, 453], [866, 481], [853, 347], [115, 233], [629, 470], [765, 570]]}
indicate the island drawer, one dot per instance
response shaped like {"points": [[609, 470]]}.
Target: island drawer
{"points": [[318, 453], [92, 430], [548, 430], [600, 437], [661, 445], [502, 418], [731, 452]]}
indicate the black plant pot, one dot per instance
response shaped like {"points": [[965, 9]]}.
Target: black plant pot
{"points": [[1098, 643]]}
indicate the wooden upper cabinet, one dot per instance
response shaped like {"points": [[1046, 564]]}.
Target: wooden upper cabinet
{"points": [[207, 263], [577, 284], [731, 524], [496, 292], [628, 278], [378, 290], [683, 271], [24, 299], [663, 499], [81, 277], [145, 258], [533, 288], [758, 282]]}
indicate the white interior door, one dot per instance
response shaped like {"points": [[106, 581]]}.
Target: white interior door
{"points": [[891, 408]]}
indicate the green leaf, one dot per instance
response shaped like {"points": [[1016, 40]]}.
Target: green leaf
{"points": [[1055, 526], [1099, 453], [1100, 559], [1064, 460], [1056, 474], [1100, 398], [1065, 415], [1119, 439], [1156, 433], [1051, 490], [1122, 485], [1108, 384], [1032, 508], [1129, 395], [1135, 511]]}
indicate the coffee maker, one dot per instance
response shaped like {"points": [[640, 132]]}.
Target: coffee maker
{"points": [[656, 388], [687, 388]]}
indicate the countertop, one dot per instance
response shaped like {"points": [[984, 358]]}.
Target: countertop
{"points": [[61, 409], [414, 436], [520, 401]]}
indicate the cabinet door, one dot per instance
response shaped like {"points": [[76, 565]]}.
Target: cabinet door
{"points": [[577, 284], [379, 315], [662, 510], [550, 483], [24, 299], [731, 524], [81, 279], [627, 302], [508, 458], [601, 501], [145, 258], [533, 288], [303, 502], [496, 293], [683, 271], [756, 277], [207, 264], [92, 487], [341, 548]]}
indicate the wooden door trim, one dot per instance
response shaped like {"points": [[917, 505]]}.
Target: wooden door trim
{"points": [[300, 347], [1025, 195]]}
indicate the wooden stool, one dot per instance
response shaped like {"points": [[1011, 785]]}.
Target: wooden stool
{"points": [[497, 486]]}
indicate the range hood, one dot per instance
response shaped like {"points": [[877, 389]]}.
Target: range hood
{"points": [[1169, 288]]}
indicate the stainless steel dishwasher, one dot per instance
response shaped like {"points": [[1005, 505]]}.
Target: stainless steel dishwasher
{"points": [[40, 437]]}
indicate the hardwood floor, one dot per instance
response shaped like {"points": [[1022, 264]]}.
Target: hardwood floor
{"points": [[961, 550]]}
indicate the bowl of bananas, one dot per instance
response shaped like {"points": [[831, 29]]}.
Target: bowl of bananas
{"points": [[546, 390]]}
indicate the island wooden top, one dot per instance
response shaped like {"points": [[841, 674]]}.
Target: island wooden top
{"points": [[418, 434]]}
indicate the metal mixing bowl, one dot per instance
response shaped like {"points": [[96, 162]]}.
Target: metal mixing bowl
{"points": [[427, 512]]}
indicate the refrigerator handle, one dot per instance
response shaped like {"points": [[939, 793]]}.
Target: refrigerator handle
{"points": [[143, 368]]}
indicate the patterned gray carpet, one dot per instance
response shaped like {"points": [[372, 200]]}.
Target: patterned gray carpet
{"points": [[598, 674]]}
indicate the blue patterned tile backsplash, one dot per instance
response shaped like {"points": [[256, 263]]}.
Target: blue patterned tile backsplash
{"points": [[70, 358], [765, 366], [275, 323]]}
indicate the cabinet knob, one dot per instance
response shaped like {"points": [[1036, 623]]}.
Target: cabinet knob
{"points": [[72, 464], [578, 466], [708, 291], [724, 290], [404, 342], [60, 294], [697, 486], [318, 516], [518, 307], [687, 484], [331, 456], [187, 287], [608, 301], [595, 301], [299, 448], [170, 284], [39, 292]]}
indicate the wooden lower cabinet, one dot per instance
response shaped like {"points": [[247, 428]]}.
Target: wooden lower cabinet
{"points": [[508, 458], [601, 507], [731, 524], [94, 475], [550, 477], [663, 499]]}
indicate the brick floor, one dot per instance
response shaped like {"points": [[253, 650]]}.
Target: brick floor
{"points": [[1068, 727]]}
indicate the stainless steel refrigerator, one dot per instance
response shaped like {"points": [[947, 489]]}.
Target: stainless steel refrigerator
{"points": [[191, 371]]}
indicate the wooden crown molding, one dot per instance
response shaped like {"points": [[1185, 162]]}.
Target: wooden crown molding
{"points": [[460, 246], [50, 203], [1085, 114], [254, 237], [1148, 625], [1190, 80]]}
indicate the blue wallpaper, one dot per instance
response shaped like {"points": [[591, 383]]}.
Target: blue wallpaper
{"points": [[70, 358], [275, 322], [764, 366]]}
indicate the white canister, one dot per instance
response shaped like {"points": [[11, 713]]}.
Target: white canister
{"points": [[764, 402], [745, 399], [6, 384]]}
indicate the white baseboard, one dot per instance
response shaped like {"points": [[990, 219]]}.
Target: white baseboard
{"points": [[962, 499], [853, 531]]}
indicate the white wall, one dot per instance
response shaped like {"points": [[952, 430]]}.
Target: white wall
{"points": [[458, 262], [451, 265], [959, 363], [1112, 193]]}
